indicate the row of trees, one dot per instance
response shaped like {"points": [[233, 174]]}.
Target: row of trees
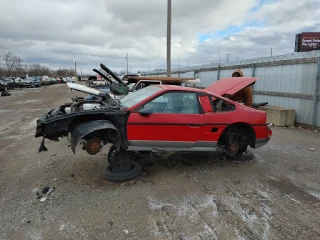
{"points": [[12, 66]]}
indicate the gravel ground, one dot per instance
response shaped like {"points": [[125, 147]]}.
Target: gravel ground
{"points": [[179, 196]]}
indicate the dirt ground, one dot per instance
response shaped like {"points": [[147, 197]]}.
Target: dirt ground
{"points": [[274, 196]]}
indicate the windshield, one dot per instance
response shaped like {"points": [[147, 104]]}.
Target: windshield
{"points": [[133, 98]]}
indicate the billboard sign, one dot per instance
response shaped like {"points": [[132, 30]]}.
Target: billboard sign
{"points": [[307, 41]]}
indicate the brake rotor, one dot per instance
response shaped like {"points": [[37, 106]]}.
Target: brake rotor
{"points": [[93, 146], [233, 149]]}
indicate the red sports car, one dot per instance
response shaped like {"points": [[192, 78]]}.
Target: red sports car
{"points": [[158, 118]]}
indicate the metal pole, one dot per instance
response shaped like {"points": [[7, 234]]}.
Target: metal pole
{"points": [[219, 53], [75, 67], [169, 40], [179, 67], [228, 57], [315, 95], [127, 61], [253, 70], [271, 52], [218, 75]]}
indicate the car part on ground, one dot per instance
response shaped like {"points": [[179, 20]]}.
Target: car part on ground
{"points": [[259, 104], [122, 166], [5, 94]]}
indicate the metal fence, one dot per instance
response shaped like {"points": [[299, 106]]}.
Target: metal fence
{"points": [[288, 81]]}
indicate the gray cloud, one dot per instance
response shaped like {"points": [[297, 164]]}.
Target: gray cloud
{"points": [[61, 32]]}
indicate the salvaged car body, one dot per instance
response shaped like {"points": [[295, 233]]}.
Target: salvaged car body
{"points": [[118, 88], [137, 83], [158, 118]]}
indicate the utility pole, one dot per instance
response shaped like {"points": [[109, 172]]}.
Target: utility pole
{"points": [[169, 39], [75, 67], [228, 57], [179, 67], [271, 52], [219, 53], [127, 61]]}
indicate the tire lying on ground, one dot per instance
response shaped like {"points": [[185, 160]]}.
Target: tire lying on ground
{"points": [[122, 177], [5, 93], [122, 166]]}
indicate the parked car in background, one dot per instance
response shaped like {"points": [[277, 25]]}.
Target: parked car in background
{"points": [[53, 80], [40, 79], [11, 84], [59, 79], [3, 86], [126, 76], [19, 81], [71, 79], [45, 80], [32, 82]]}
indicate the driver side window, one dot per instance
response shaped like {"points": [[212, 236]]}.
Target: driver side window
{"points": [[174, 102]]}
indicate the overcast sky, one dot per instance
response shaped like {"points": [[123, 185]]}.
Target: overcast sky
{"points": [[60, 32]]}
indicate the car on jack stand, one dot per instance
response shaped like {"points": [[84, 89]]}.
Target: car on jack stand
{"points": [[157, 118]]}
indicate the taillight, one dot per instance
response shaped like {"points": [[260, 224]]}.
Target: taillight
{"points": [[269, 132]]}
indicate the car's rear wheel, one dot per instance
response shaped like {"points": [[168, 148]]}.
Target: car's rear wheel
{"points": [[242, 148], [244, 156], [235, 139]]}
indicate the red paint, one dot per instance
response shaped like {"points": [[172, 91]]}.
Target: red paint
{"points": [[206, 126], [230, 85]]}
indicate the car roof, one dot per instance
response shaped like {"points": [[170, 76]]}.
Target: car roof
{"points": [[179, 88], [166, 80], [190, 89]]}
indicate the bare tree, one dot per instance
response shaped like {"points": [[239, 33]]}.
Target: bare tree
{"points": [[11, 62], [64, 72]]}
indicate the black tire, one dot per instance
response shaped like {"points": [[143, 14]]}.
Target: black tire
{"points": [[122, 165], [242, 149], [122, 177], [242, 157]]}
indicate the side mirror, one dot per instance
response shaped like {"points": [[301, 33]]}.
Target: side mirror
{"points": [[145, 111]]}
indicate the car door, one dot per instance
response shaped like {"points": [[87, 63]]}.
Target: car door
{"points": [[174, 122]]}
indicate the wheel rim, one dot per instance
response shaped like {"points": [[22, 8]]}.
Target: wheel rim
{"points": [[120, 161]]}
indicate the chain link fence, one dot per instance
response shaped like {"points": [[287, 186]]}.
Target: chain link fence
{"points": [[288, 81]]}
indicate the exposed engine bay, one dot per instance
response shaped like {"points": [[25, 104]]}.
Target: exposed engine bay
{"points": [[100, 102]]}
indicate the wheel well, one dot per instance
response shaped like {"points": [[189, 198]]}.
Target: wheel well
{"points": [[119, 137], [241, 128], [87, 118]]}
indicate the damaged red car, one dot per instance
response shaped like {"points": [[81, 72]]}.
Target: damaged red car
{"points": [[158, 118]]}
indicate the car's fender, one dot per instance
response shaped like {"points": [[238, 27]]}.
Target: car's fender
{"points": [[86, 128]]}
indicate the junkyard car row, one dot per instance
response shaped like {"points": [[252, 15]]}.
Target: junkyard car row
{"points": [[15, 82]]}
